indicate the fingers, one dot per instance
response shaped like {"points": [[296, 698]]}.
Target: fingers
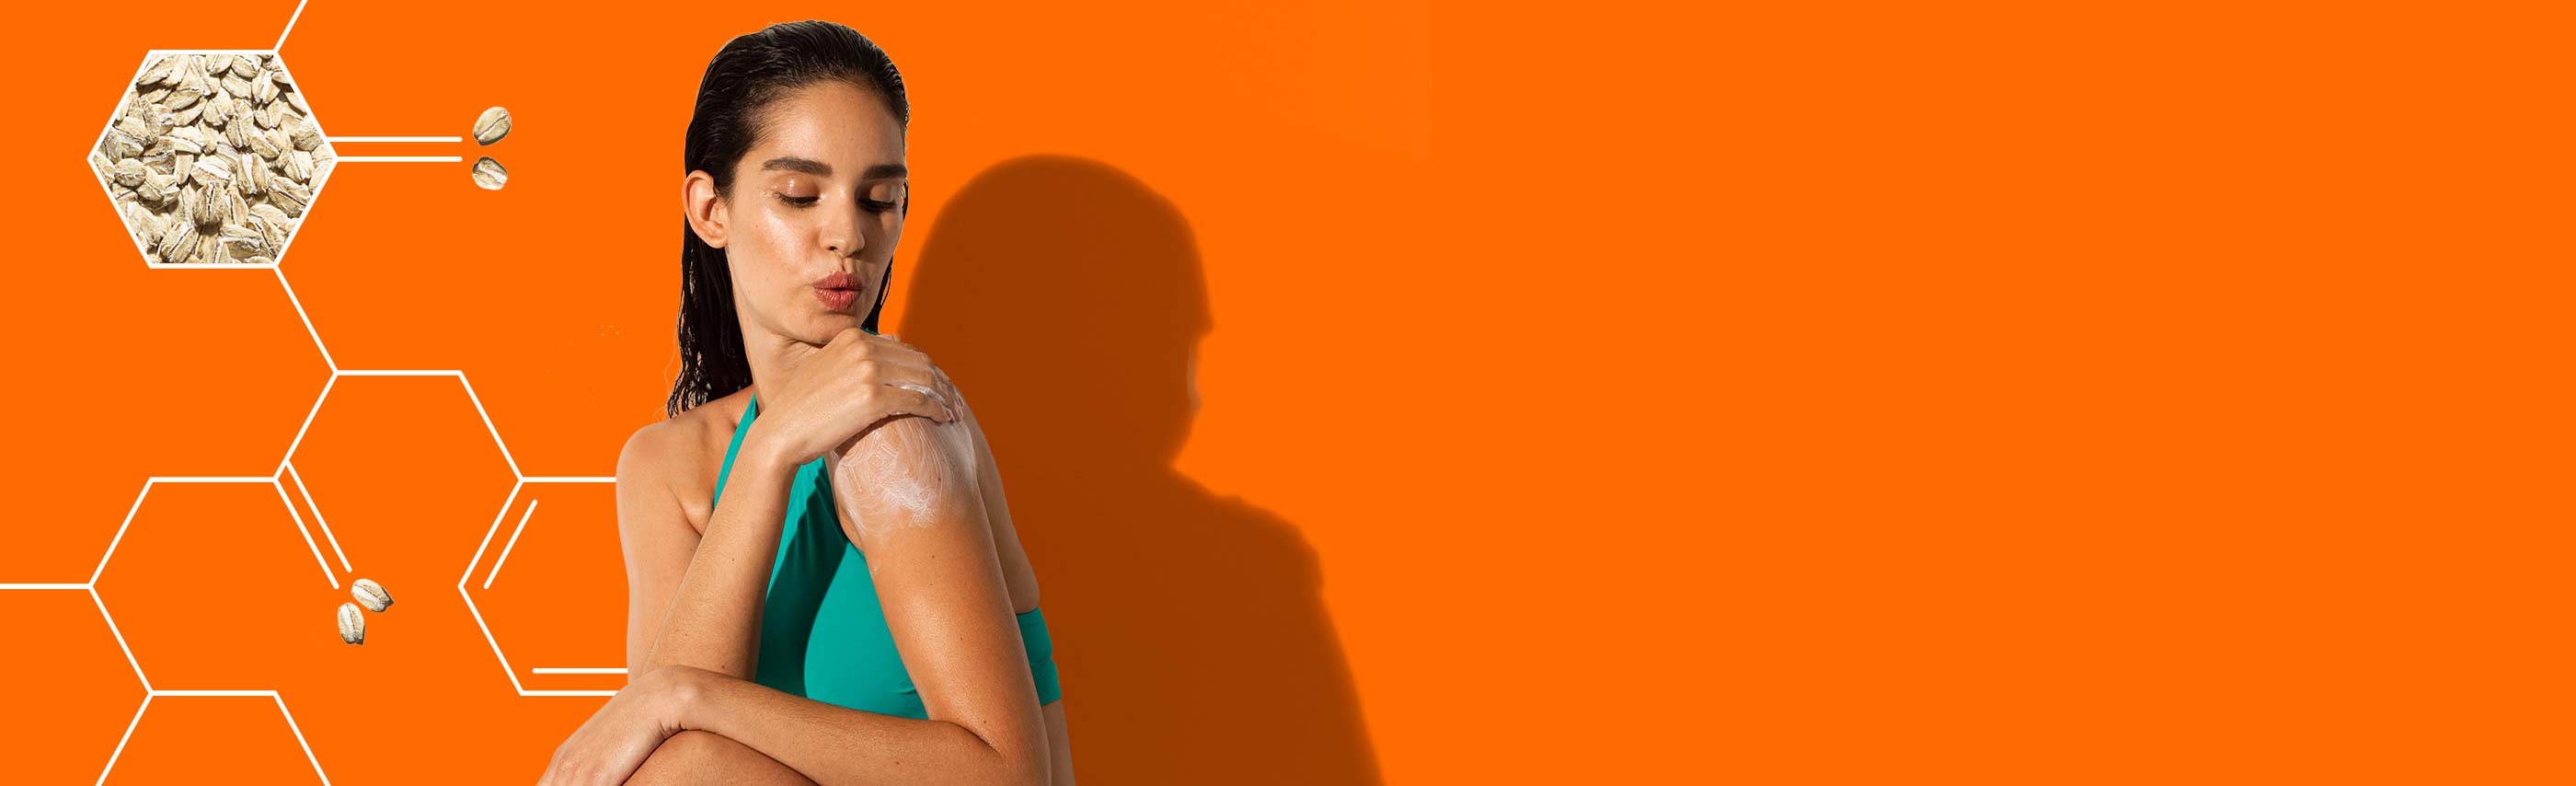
{"points": [[916, 385], [892, 351], [925, 382], [912, 399], [855, 348], [947, 389], [899, 363]]}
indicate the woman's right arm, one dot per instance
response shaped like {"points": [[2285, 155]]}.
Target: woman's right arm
{"points": [[694, 598]]}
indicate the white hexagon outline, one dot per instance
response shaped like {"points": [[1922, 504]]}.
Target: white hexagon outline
{"points": [[477, 611], [150, 692], [518, 483], [318, 185]]}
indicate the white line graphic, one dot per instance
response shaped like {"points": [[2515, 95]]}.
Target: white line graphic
{"points": [[580, 670], [514, 543]]}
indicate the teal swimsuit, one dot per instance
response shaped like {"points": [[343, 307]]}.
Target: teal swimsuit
{"points": [[822, 634]]}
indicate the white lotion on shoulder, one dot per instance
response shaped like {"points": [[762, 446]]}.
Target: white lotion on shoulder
{"points": [[905, 473]]}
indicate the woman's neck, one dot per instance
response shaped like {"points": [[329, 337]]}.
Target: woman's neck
{"points": [[772, 356]]}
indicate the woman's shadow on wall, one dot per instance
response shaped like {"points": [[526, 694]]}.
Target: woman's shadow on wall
{"points": [[1066, 299]]}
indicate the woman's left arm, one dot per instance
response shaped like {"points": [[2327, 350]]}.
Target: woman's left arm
{"points": [[909, 488]]}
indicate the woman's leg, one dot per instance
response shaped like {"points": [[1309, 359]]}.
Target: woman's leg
{"points": [[692, 757]]}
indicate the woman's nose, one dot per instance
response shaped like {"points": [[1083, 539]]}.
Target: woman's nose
{"points": [[843, 236], [845, 243]]}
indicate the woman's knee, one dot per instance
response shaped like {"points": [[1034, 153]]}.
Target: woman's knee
{"points": [[692, 757], [683, 758]]}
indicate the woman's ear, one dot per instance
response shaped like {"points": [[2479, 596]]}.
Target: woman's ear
{"points": [[704, 208]]}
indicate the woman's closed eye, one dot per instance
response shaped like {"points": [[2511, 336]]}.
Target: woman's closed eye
{"points": [[872, 205], [797, 191], [893, 193]]}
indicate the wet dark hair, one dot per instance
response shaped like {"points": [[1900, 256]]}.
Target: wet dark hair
{"points": [[749, 73]]}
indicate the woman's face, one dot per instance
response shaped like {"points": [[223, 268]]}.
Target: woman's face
{"points": [[816, 208]]}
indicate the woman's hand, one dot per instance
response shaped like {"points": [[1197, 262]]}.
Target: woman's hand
{"points": [[616, 740], [835, 393]]}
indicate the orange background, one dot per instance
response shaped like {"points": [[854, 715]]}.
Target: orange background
{"points": [[1426, 392]]}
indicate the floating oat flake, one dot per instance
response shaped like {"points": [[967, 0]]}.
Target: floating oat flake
{"points": [[489, 174]]}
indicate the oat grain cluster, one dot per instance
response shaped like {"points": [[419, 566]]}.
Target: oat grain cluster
{"points": [[490, 127], [371, 597], [212, 158]]}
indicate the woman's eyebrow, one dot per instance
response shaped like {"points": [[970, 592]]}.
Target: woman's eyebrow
{"points": [[820, 169]]}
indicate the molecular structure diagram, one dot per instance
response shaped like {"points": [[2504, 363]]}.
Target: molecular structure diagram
{"points": [[291, 491]]}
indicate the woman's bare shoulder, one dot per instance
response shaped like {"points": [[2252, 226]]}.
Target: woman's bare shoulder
{"points": [[679, 458]]}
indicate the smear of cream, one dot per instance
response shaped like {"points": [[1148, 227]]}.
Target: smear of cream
{"points": [[905, 474]]}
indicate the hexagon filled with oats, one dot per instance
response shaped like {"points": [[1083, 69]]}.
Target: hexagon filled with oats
{"points": [[212, 157]]}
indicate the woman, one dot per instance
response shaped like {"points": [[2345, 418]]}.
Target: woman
{"points": [[857, 609]]}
